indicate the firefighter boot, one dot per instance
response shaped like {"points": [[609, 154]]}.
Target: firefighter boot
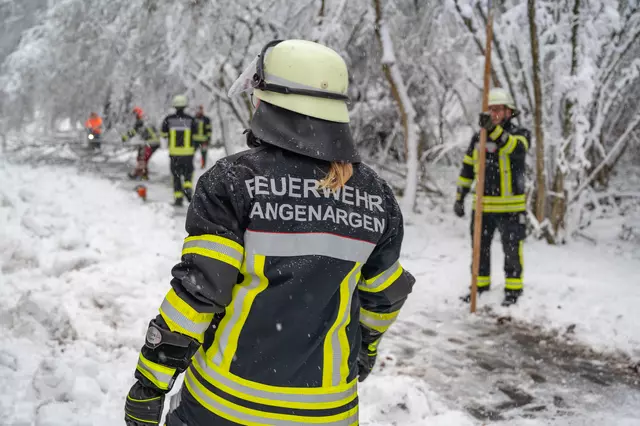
{"points": [[467, 298], [511, 297]]}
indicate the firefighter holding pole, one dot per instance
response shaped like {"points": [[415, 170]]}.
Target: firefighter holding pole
{"points": [[495, 159]]}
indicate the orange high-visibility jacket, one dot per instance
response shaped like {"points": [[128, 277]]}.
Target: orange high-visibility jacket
{"points": [[94, 124]]}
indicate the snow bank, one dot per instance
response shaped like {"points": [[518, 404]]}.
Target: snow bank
{"points": [[83, 267], [587, 291]]}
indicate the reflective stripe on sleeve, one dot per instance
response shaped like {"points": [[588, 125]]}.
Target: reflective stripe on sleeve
{"points": [[383, 280], [468, 160], [182, 318], [465, 182], [215, 247], [376, 321], [159, 375]]}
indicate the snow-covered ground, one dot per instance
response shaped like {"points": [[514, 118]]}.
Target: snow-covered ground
{"points": [[84, 265]]}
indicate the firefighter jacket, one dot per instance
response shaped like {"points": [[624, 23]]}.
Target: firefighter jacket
{"points": [[147, 133], [94, 125], [504, 190], [279, 279], [203, 133], [179, 128]]}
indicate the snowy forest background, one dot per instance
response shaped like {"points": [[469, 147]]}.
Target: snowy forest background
{"points": [[573, 67]]}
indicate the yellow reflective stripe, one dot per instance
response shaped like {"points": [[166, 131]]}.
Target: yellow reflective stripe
{"points": [[513, 284], [476, 162], [504, 162], [152, 134], [182, 318], [383, 280], [524, 141], [140, 420], [248, 416], [496, 133], [164, 134], [507, 208], [513, 199], [484, 281], [377, 321], [508, 204], [464, 182], [521, 255], [336, 346], [215, 247], [304, 398], [187, 184], [181, 151], [159, 375], [468, 160], [143, 400], [226, 342], [178, 194]]}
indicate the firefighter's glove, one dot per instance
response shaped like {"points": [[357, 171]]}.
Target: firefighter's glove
{"points": [[458, 208], [485, 121], [143, 406], [366, 361]]}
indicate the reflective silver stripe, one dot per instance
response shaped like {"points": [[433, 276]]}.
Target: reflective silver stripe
{"points": [[217, 247], [277, 398], [339, 355], [305, 244], [196, 328], [505, 167], [373, 285], [374, 321], [245, 415], [162, 380], [226, 327], [270, 78]]}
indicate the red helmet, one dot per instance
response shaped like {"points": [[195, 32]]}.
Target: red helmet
{"points": [[138, 112]]}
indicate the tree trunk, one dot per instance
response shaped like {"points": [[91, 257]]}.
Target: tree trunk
{"points": [[559, 207], [406, 109], [541, 180]]}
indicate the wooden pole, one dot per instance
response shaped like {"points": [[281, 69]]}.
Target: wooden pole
{"points": [[482, 155]]}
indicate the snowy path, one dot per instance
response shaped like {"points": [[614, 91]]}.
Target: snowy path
{"points": [[73, 310]]}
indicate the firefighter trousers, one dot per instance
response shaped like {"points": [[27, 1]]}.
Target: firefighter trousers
{"points": [[182, 172], [512, 228]]}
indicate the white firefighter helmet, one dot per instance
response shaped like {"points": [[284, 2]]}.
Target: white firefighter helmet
{"points": [[179, 101], [300, 76], [499, 96]]}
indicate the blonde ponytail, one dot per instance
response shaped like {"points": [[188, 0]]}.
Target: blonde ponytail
{"points": [[339, 174]]}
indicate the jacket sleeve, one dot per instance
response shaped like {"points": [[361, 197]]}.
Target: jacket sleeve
{"points": [[203, 281], [385, 284], [467, 173], [516, 139], [212, 254]]}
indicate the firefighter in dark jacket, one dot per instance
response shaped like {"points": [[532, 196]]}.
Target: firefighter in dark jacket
{"points": [[150, 142], [503, 203], [179, 129], [203, 135], [290, 274]]}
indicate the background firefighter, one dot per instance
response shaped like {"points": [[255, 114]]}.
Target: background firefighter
{"points": [[93, 125], [276, 313], [179, 129], [203, 135], [150, 144], [503, 204]]}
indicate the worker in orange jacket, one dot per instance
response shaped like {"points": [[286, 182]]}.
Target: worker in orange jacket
{"points": [[94, 130]]}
